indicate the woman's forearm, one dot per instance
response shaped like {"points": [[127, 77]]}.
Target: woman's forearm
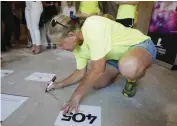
{"points": [[75, 77]]}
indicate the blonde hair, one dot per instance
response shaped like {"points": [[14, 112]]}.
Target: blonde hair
{"points": [[60, 26]]}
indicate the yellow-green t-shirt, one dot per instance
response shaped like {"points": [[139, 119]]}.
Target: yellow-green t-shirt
{"points": [[89, 7], [126, 11], [104, 37]]}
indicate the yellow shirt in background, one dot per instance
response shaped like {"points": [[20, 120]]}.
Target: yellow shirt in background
{"points": [[89, 7], [104, 37], [126, 11]]}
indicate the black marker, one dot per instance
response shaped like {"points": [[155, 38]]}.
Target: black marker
{"points": [[51, 83]]}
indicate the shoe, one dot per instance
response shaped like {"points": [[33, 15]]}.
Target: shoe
{"points": [[3, 50], [54, 46], [33, 49], [29, 44], [174, 67], [9, 45], [38, 49], [129, 89], [49, 46]]}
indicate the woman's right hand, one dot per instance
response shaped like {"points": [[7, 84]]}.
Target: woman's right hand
{"points": [[58, 85], [55, 85]]}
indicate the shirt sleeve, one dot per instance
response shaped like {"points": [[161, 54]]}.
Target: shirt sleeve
{"points": [[99, 40], [80, 61]]}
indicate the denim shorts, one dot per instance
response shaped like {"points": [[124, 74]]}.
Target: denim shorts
{"points": [[148, 45]]}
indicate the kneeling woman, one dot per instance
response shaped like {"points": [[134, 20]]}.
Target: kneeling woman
{"points": [[112, 48]]}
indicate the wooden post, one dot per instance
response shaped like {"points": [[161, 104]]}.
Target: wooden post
{"points": [[144, 15]]}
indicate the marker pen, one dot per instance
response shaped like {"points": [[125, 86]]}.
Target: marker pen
{"points": [[51, 83]]}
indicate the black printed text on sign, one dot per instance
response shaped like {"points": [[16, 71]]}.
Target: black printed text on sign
{"points": [[87, 116]]}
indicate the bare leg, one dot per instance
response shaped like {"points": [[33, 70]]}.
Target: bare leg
{"points": [[133, 66], [134, 63], [107, 78]]}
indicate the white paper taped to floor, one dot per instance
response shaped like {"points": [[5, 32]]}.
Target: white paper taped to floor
{"points": [[87, 116], [9, 104], [6, 72], [37, 76]]}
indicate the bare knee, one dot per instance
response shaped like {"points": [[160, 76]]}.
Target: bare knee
{"points": [[132, 68]]}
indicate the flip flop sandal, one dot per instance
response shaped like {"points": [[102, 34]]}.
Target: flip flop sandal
{"points": [[33, 49], [38, 50]]}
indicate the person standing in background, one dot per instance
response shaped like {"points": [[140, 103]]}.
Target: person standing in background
{"points": [[33, 12], [50, 10], [126, 12], [24, 24], [67, 7], [7, 22], [16, 19], [87, 8]]}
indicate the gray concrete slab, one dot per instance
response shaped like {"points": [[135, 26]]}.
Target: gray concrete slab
{"points": [[155, 103]]}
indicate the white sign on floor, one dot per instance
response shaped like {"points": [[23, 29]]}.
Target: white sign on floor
{"points": [[37, 76], [9, 103], [87, 116], [5, 73]]}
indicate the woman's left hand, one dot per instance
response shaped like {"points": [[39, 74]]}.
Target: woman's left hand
{"points": [[73, 103]]}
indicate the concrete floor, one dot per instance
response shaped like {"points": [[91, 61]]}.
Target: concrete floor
{"points": [[155, 103]]}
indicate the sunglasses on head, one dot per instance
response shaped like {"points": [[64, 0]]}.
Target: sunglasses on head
{"points": [[54, 22]]}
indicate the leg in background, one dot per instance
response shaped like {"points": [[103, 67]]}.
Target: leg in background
{"points": [[16, 29], [49, 43], [7, 19], [8, 23], [47, 37], [3, 44], [29, 38], [35, 18], [23, 21], [8, 31], [133, 66], [108, 77], [29, 26], [54, 46]]}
